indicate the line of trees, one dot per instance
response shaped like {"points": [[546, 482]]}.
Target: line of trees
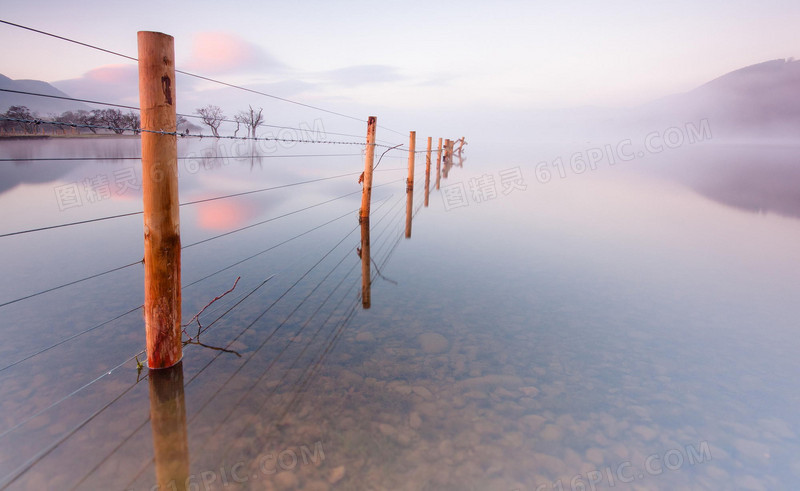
{"points": [[118, 122], [112, 118]]}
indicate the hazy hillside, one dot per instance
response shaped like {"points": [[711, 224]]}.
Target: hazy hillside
{"points": [[41, 105], [760, 100]]}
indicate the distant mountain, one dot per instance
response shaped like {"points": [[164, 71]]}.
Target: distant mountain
{"points": [[40, 105], [761, 100]]}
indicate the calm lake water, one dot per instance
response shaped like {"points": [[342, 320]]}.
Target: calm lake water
{"points": [[548, 325]]}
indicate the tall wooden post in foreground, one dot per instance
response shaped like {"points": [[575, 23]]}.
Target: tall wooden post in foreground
{"points": [[438, 164], [366, 196], [428, 170], [412, 147], [162, 238]]}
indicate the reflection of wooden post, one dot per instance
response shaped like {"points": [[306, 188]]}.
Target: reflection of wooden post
{"points": [[162, 240], [366, 279], [409, 211], [438, 163], [168, 423], [366, 194], [428, 170], [412, 145]]}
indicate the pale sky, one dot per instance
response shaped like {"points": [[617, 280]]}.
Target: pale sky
{"points": [[416, 54]]}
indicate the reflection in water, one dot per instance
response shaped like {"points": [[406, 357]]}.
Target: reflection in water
{"points": [[755, 178], [220, 154], [168, 423], [366, 280], [409, 209], [571, 340]]}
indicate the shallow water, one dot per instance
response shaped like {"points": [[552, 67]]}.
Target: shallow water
{"points": [[630, 326]]}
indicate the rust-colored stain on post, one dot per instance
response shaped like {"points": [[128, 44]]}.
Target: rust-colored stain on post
{"points": [[369, 159], [162, 240], [428, 170]]}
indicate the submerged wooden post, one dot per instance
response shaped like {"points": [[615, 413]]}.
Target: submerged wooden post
{"points": [[428, 170], [366, 194], [168, 424], [409, 212], [366, 274], [438, 164], [412, 146], [162, 239]]}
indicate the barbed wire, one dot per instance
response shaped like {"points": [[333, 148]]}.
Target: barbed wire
{"points": [[199, 157], [120, 130]]}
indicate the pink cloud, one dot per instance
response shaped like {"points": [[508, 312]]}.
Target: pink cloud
{"points": [[222, 52], [110, 83]]}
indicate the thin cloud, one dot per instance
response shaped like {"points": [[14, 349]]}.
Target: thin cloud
{"points": [[215, 53], [111, 83], [361, 75]]}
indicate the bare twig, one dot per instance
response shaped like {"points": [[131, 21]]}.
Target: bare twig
{"points": [[197, 316], [379, 272]]}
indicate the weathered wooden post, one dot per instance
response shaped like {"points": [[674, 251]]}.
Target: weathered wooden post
{"points": [[168, 424], [366, 196], [428, 170], [412, 146], [438, 164], [162, 238]]}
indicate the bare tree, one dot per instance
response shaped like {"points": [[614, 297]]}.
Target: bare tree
{"points": [[239, 122], [212, 117], [81, 117], [133, 122], [113, 118], [23, 113], [252, 119]]}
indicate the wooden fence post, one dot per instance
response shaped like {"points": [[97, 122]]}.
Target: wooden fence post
{"points": [[162, 239], [366, 194], [438, 164], [428, 170], [412, 146]]}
